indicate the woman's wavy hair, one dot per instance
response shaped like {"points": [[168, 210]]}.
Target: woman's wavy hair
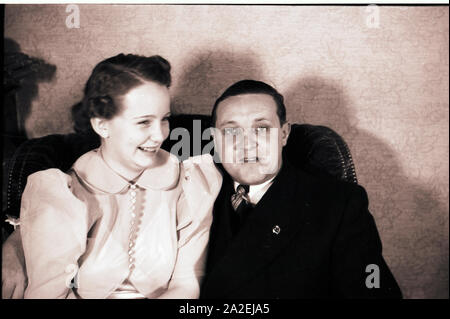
{"points": [[110, 80]]}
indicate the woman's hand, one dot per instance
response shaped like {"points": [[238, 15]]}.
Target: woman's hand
{"points": [[14, 278]]}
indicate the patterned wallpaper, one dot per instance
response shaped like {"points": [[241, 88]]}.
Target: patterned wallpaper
{"points": [[377, 75]]}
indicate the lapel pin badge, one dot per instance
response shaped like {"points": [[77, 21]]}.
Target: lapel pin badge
{"points": [[276, 229]]}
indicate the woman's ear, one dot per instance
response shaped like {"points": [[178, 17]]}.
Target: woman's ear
{"points": [[285, 131], [100, 126]]}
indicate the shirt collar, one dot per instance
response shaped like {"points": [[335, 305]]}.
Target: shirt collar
{"points": [[257, 191], [93, 170]]}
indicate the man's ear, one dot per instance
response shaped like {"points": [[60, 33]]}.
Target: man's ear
{"points": [[217, 140], [214, 131], [285, 131], [100, 126]]}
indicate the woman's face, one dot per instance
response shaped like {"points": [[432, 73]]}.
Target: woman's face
{"points": [[135, 135]]}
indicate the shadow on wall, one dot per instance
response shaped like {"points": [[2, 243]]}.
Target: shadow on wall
{"points": [[22, 74], [410, 218], [207, 74]]}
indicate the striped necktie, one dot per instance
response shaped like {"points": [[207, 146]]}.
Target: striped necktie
{"points": [[240, 196]]}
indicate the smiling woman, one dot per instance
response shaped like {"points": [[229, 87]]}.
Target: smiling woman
{"points": [[144, 118], [129, 220]]}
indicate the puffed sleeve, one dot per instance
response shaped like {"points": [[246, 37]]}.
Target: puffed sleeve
{"points": [[54, 231], [201, 182]]}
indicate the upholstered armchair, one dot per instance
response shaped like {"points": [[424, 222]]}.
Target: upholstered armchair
{"points": [[316, 149]]}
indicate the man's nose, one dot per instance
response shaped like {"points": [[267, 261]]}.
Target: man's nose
{"points": [[247, 140]]}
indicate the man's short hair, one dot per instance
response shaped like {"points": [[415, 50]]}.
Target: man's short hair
{"points": [[252, 87]]}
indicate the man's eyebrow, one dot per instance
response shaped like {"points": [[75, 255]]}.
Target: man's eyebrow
{"points": [[262, 119], [227, 122]]}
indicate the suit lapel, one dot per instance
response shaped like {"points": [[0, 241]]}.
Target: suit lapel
{"points": [[270, 227]]}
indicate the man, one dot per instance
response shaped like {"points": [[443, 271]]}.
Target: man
{"points": [[278, 232]]}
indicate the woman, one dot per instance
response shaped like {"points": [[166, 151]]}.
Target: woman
{"points": [[128, 220]]}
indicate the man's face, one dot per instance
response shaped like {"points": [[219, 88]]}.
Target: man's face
{"points": [[249, 137]]}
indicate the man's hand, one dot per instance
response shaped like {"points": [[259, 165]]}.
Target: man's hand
{"points": [[14, 278]]}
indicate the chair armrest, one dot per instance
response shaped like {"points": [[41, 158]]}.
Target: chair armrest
{"points": [[52, 151]]}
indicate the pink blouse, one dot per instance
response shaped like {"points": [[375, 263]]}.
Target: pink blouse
{"points": [[80, 226]]}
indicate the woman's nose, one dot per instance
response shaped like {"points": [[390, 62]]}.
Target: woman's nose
{"points": [[158, 133]]}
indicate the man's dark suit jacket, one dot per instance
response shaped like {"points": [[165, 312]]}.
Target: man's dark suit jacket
{"points": [[326, 239]]}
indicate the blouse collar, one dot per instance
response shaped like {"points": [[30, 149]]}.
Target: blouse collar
{"points": [[94, 171]]}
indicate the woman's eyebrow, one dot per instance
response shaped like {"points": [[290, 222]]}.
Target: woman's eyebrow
{"points": [[150, 116], [143, 116]]}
